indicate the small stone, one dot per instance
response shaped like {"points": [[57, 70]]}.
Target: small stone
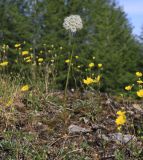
{"points": [[77, 129]]}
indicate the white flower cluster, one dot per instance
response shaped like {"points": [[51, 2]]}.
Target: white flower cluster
{"points": [[73, 23]]}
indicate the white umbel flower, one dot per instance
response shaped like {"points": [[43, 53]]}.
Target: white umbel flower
{"points": [[73, 23]]}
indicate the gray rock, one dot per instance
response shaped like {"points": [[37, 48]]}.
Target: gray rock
{"points": [[77, 129], [123, 138]]}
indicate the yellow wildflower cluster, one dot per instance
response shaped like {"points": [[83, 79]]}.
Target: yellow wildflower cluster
{"points": [[139, 83], [89, 80], [121, 119]]}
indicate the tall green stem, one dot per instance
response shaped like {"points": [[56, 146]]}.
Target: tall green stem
{"points": [[68, 74]]}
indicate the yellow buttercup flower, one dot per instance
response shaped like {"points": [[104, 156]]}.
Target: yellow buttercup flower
{"points": [[25, 53], [28, 60], [121, 113], [76, 57], [25, 88], [88, 81], [140, 93], [67, 61], [40, 60], [128, 88], [17, 45], [121, 119], [140, 82], [99, 65], [3, 64], [139, 74], [91, 65]]}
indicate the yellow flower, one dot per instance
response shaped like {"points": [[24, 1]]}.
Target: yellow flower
{"points": [[16, 61], [28, 60], [121, 120], [121, 113], [88, 81], [91, 65], [119, 128], [25, 88], [17, 45], [9, 103], [128, 88], [76, 57], [99, 65], [140, 82], [138, 74], [97, 79], [25, 53], [3, 64], [40, 60], [140, 93], [67, 61], [41, 52]]}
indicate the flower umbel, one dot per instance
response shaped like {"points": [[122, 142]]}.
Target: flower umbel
{"points": [[73, 23]]}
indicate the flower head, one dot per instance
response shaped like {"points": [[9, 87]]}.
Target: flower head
{"points": [[88, 81], [28, 60], [76, 57], [67, 61], [73, 23], [25, 53], [97, 79], [139, 74], [128, 88], [3, 64], [140, 93], [40, 60], [17, 45], [140, 82], [25, 88], [91, 65], [121, 119], [99, 65]]}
